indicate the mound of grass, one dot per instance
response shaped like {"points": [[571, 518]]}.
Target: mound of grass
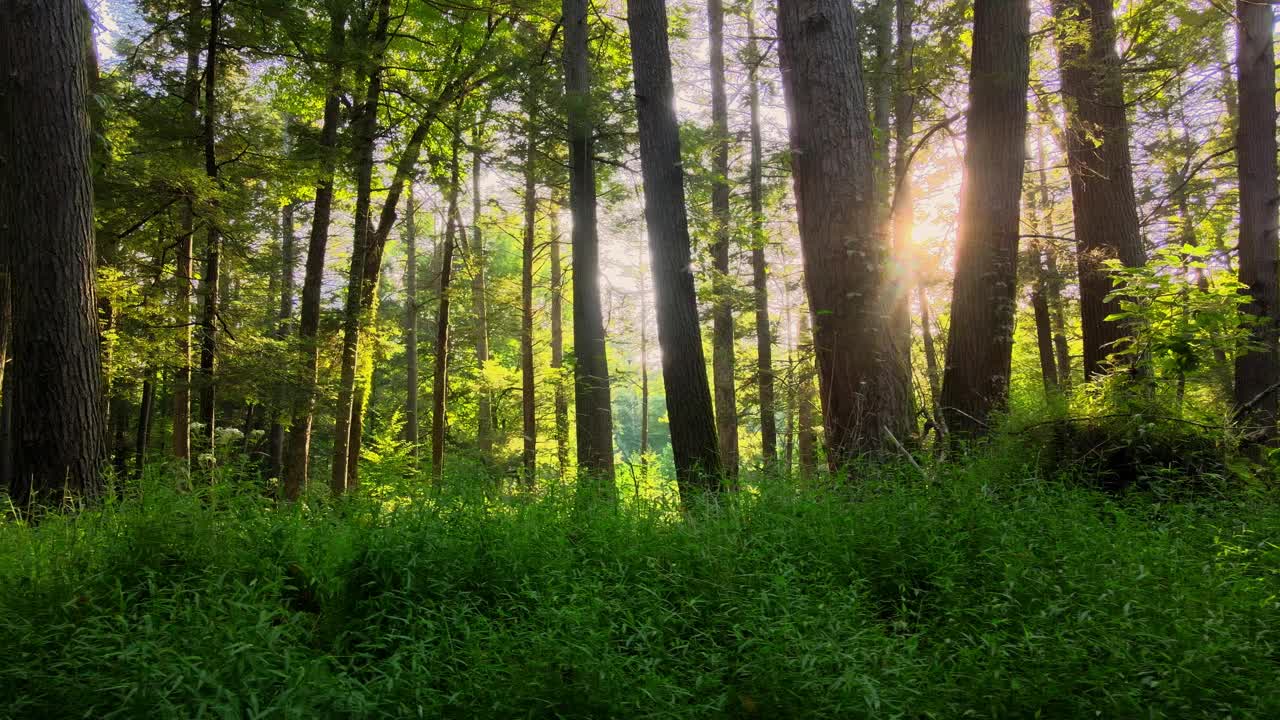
{"points": [[982, 593]]}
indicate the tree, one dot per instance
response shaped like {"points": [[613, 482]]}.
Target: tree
{"points": [[1258, 370], [975, 381], [759, 265], [184, 269], [557, 343], [411, 321], [53, 389], [591, 400], [722, 360], [299, 444], [210, 278], [684, 371], [529, 418], [479, 302], [440, 377], [1098, 159], [845, 255]]}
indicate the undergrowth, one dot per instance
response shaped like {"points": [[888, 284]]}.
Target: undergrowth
{"points": [[982, 591]]}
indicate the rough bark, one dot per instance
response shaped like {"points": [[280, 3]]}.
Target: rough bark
{"points": [[722, 331], [1053, 272], [53, 398], [1258, 371], [593, 412], [210, 279], [932, 372], [1097, 140], [759, 264], [299, 444], [845, 256], [411, 323], [975, 381], [684, 370]]}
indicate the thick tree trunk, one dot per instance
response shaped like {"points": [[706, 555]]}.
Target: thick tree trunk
{"points": [[364, 130], [211, 276], [759, 265], [593, 412], [1258, 372], [299, 446], [440, 379], [479, 302], [53, 397], [722, 331], [975, 381], [684, 370], [184, 266], [557, 345], [1097, 139], [845, 256], [528, 396], [411, 323]]}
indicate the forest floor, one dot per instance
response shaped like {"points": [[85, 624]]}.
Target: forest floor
{"points": [[984, 591]]}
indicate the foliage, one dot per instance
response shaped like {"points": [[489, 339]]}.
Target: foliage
{"points": [[987, 593]]}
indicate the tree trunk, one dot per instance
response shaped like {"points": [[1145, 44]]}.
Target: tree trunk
{"points": [[411, 324], [1097, 140], [54, 383], [1044, 325], [288, 262], [557, 345], [759, 265], [364, 131], [806, 441], [479, 302], [1258, 371], [143, 436], [684, 370], [592, 406], [1053, 273], [722, 332], [440, 383], [644, 373], [184, 266], [210, 278], [528, 397], [863, 394], [299, 446], [934, 375], [902, 207], [975, 381]]}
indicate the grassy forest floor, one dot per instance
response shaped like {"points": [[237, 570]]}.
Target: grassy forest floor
{"points": [[985, 590]]}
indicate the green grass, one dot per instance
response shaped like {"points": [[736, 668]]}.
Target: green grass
{"points": [[986, 593]]}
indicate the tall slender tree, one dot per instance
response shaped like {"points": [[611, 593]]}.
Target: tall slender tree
{"points": [[561, 399], [759, 243], [184, 268], [684, 370], [440, 377], [1258, 371], [411, 321], [53, 388], [845, 255], [593, 413], [479, 300], [297, 465], [975, 381], [722, 331], [528, 396], [210, 279]]}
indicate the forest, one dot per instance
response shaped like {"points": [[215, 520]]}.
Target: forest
{"points": [[635, 358]]}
